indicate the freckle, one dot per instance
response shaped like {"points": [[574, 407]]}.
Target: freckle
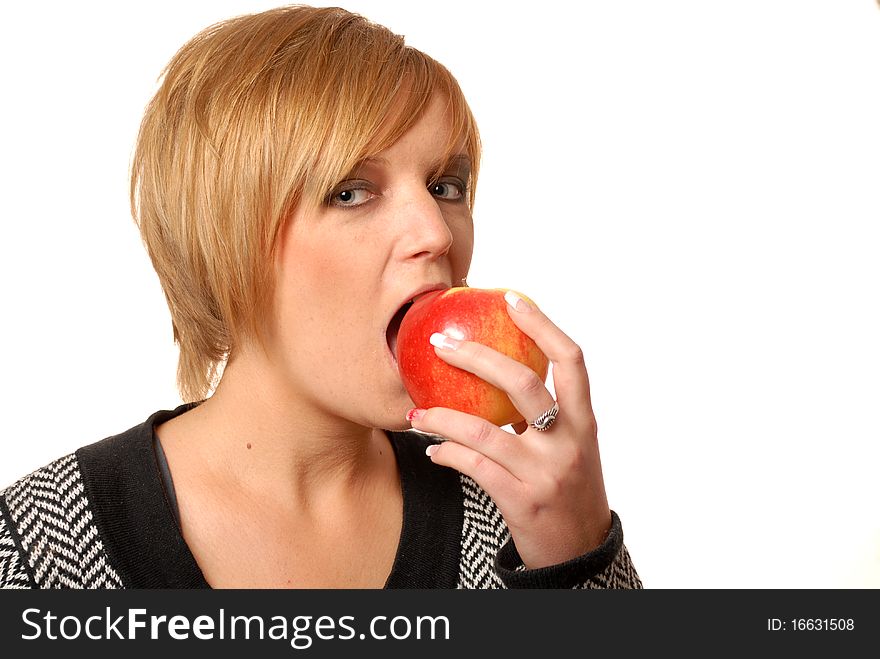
{"points": [[248, 444]]}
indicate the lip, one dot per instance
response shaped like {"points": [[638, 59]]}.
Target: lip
{"points": [[415, 294], [424, 290]]}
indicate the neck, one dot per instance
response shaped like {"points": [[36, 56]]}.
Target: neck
{"points": [[265, 438]]}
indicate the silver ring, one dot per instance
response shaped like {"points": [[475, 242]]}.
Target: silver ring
{"points": [[545, 419]]}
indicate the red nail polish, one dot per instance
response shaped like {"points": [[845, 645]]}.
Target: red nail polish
{"points": [[415, 414]]}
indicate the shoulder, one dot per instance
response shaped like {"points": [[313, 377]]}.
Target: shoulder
{"points": [[56, 475], [49, 532], [49, 486]]}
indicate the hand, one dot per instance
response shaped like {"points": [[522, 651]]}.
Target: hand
{"points": [[547, 485]]}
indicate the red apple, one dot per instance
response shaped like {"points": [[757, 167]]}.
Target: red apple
{"points": [[470, 314]]}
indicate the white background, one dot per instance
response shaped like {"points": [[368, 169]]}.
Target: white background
{"points": [[688, 188]]}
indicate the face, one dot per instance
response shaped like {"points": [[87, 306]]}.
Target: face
{"points": [[396, 227]]}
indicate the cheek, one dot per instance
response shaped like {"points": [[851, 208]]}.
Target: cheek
{"points": [[308, 266], [462, 247], [312, 265], [319, 290]]}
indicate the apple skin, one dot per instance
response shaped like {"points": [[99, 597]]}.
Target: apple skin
{"points": [[470, 314]]}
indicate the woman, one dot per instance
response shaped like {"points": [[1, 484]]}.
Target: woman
{"points": [[299, 176]]}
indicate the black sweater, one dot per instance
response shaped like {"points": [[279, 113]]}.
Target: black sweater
{"points": [[102, 518]]}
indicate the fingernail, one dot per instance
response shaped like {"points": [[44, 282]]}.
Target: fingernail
{"points": [[431, 450], [415, 414], [444, 342], [517, 302]]}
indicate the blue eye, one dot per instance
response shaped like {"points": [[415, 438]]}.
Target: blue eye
{"points": [[350, 197], [448, 190]]}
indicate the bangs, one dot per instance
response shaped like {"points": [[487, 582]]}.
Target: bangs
{"points": [[400, 93]]}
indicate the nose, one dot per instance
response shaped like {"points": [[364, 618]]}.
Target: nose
{"points": [[426, 232]]}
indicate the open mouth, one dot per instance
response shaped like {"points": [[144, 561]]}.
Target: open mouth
{"points": [[391, 333], [394, 328]]}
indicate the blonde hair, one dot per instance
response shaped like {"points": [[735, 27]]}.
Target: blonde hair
{"points": [[253, 116]]}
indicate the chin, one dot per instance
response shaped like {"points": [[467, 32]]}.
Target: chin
{"points": [[393, 414]]}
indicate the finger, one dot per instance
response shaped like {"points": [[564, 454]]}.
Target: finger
{"points": [[475, 433], [523, 386], [495, 480], [570, 379]]}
